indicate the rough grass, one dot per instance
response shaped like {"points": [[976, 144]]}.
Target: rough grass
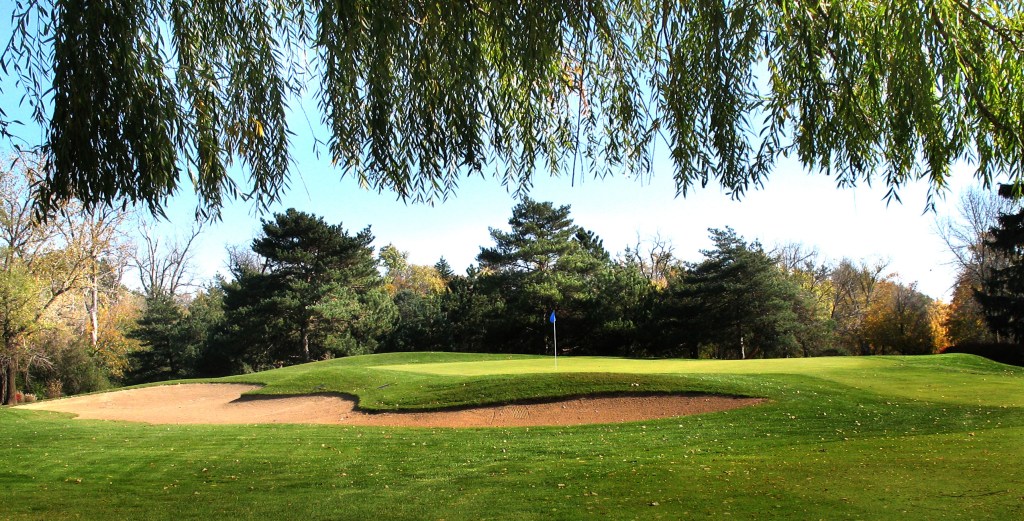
{"points": [[843, 438]]}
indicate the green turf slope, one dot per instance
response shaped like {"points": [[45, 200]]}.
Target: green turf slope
{"points": [[938, 437]]}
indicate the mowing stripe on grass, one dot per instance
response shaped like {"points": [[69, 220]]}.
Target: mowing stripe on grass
{"points": [[806, 366], [966, 380]]}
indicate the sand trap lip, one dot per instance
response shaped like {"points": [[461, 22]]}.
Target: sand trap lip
{"points": [[224, 404]]}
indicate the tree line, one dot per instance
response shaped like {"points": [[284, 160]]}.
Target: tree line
{"points": [[309, 290], [739, 301], [306, 289]]}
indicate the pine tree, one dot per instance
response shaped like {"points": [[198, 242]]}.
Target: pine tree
{"points": [[545, 262], [736, 301], [164, 355], [318, 293], [1002, 293], [444, 270]]}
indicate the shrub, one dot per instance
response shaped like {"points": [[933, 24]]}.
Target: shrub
{"points": [[54, 389]]}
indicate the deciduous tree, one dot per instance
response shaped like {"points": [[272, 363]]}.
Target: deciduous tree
{"points": [[898, 321], [655, 260], [854, 293], [20, 310], [967, 235], [165, 266], [133, 96], [804, 268], [400, 275], [968, 238], [965, 319], [416, 291], [48, 256], [99, 236]]}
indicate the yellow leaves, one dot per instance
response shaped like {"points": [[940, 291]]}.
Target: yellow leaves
{"points": [[18, 301], [938, 318], [115, 318], [897, 320], [257, 127], [420, 279], [244, 134]]}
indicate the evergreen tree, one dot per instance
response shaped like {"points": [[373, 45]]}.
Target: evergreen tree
{"points": [[467, 309], [204, 318], [316, 294], [736, 302], [619, 318], [176, 339], [544, 263], [444, 270], [1002, 293], [164, 354], [417, 324]]}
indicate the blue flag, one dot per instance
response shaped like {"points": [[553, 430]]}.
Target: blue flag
{"points": [[552, 317]]}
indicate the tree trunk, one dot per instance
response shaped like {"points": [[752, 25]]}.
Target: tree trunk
{"points": [[12, 374], [305, 342], [94, 305], [95, 320]]}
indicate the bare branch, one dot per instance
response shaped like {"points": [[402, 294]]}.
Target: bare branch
{"points": [[965, 236], [165, 269], [655, 258]]}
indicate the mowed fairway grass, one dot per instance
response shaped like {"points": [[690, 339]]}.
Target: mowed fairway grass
{"points": [[933, 437]]}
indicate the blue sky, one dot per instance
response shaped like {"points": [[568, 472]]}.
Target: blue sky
{"points": [[793, 206]]}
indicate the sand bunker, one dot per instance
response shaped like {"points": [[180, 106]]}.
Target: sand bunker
{"points": [[224, 404]]}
